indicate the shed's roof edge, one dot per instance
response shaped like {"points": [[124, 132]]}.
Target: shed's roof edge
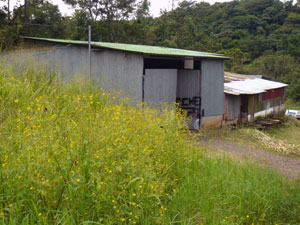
{"points": [[145, 49]]}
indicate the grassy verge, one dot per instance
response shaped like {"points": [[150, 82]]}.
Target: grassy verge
{"points": [[290, 104], [74, 154], [221, 191], [284, 138], [288, 133]]}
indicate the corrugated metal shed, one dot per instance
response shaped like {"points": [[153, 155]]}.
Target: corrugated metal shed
{"points": [[212, 92], [144, 49], [237, 84]]}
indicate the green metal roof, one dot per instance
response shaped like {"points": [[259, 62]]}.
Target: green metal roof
{"points": [[145, 49]]}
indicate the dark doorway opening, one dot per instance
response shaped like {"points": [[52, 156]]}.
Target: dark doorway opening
{"points": [[244, 108]]}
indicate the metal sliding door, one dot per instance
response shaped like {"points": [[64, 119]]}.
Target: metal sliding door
{"points": [[160, 86]]}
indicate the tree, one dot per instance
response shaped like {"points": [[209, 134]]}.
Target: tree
{"points": [[6, 9], [3, 16], [105, 9], [77, 25], [143, 9], [238, 58], [42, 13], [294, 91], [282, 68]]}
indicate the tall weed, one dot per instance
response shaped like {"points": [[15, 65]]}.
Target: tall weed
{"points": [[74, 154]]}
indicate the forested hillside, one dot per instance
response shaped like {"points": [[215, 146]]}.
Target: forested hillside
{"points": [[260, 36]]}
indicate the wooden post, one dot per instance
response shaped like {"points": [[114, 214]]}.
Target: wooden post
{"points": [[252, 108], [8, 10]]}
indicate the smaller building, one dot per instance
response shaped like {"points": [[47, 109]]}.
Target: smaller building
{"points": [[247, 97]]}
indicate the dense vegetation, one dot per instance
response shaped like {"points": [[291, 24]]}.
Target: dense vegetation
{"points": [[260, 36], [74, 154]]}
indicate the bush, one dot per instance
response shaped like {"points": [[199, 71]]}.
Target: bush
{"points": [[77, 152], [74, 154]]}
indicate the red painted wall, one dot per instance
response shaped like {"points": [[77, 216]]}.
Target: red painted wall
{"points": [[274, 93]]}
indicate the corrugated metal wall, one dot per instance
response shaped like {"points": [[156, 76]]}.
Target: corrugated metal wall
{"points": [[233, 106], [188, 83], [274, 106], [261, 105], [160, 85], [114, 69], [212, 91], [118, 70], [69, 61]]}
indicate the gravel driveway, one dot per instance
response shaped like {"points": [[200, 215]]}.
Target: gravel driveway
{"points": [[285, 165]]}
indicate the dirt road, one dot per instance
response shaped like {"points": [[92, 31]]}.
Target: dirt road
{"points": [[285, 165]]}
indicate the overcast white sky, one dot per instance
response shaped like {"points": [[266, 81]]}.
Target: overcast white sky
{"points": [[156, 5]]}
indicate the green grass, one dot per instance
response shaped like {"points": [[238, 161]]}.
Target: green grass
{"points": [[73, 154], [241, 135], [220, 191], [284, 138], [289, 132], [290, 104]]}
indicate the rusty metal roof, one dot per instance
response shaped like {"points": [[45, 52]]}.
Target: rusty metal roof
{"points": [[237, 84], [229, 76]]}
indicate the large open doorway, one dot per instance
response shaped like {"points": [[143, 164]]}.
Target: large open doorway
{"points": [[168, 80], [189, 95]]}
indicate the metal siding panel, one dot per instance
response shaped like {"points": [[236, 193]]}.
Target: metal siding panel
{"points": [[68, 61], [233, 106], [188, 83], [117, 71], [71, 61], [212, 90], [160, 85]]}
